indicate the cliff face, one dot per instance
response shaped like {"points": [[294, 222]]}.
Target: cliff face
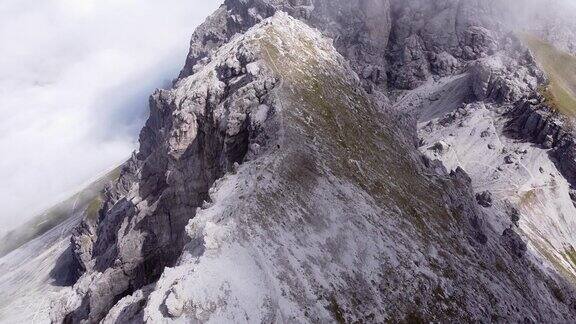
{"points": [[404, 40], [280, 180]]}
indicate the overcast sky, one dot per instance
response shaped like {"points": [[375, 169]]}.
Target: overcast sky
{"points": [[75, 76]]}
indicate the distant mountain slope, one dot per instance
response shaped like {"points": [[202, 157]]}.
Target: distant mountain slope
{"points": [[560, 67], [37, 260], [88, 200]]}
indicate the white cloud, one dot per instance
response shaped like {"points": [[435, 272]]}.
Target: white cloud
{"points": [[75, 76]]}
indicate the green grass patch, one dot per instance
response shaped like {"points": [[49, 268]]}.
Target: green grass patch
{"points": [[93, 208], [560, 67], [547, 250], [570, 256]]}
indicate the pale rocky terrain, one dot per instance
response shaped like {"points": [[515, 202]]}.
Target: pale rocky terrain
{"points": [[333, 161]]}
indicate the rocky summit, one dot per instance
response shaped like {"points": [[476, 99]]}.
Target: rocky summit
{"points": [[320, 161]]}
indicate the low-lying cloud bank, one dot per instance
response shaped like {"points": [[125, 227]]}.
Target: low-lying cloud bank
{"points": [[74, 85]]}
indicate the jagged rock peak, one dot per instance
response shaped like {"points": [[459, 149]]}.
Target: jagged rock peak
{"points": [[395, 43]]}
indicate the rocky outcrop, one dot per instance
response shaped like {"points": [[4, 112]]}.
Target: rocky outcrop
{"points": [[439, 37], [535, 121], [530, 117], [484, 199], [514, 243], [195, 134], [493, 82], [360, 29]]}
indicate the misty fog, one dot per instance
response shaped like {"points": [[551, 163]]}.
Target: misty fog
{"points": [[75, 81]]}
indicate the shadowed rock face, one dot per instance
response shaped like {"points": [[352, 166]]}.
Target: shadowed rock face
{"points": [[536, 122]]}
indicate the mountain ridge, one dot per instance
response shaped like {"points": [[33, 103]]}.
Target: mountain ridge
{"points": [[321, 161], [173, 295]]}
